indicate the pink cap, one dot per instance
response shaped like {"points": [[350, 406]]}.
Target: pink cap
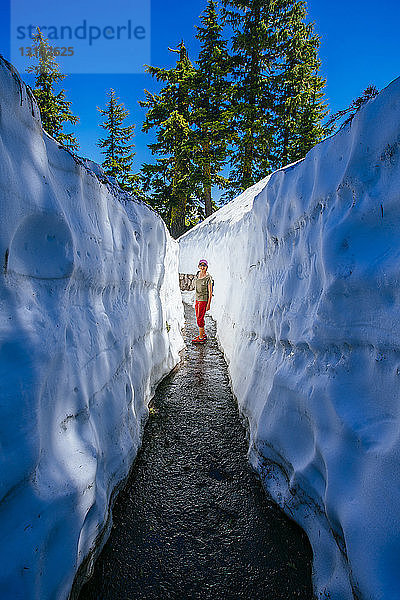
{"points": [[203, 260]]}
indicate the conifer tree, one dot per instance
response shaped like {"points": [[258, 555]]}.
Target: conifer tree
{"points": [[55, 109], [171, 178], [212, 112], [116, 147], [299, 104], [253, 61], [278, 93], [368, 94]]}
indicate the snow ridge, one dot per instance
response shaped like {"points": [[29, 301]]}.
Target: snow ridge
{"points": [[90, 321], [307, 290]]}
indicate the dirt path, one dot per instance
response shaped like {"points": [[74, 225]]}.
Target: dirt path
{"points": [[193, 521]]}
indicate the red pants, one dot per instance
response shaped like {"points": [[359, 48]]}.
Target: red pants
{"points": [[200, 308]]}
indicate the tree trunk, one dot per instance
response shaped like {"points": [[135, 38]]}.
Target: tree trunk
{"points": [[285, 152], [247, 178], [178, 211], [248, 159], [207, 201], [207, 177]]}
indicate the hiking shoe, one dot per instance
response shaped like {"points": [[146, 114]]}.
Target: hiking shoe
{"points": [[199, 340]]}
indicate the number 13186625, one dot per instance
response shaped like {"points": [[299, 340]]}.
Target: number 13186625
{"points": [[54, 50]]}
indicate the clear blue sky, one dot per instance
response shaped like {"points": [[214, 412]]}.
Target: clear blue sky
{"points": [[359, 46]]}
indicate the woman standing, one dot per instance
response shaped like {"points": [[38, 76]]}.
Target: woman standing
{"points": [[203, 286]]}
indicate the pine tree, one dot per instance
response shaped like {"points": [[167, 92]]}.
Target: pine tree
{"points": [[300, 107], [368, 94], [278, 93], [116, 148], [55, 109], [212, 112], [171, 178], [253, 61]]}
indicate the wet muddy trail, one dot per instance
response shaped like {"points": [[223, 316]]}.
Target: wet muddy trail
{"points": [[193, 521]]}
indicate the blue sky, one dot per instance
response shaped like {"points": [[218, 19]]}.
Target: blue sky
{"points": [[359, 46]]}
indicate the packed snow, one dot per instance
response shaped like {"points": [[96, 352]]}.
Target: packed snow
{"points": [[90, 321], [306, 266]]}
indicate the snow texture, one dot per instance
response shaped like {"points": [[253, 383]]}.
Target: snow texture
{"points": [[307, 295], [90, 321]]}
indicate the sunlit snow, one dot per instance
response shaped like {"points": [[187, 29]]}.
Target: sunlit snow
{"points": [[306, 266], [90, 318]]}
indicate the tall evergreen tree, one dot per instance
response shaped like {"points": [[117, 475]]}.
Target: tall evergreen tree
{"points": [[300, 108], [368, 94], [171, 178], [254, 59], [278, 93], [212, 112], [116, 147], [55, 109]]}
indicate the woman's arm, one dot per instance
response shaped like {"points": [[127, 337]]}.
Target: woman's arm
{"points": [[209, 295]]}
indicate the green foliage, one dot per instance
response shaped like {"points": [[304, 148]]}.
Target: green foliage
{"points": [[171, 178], [253, 61], [212, 109], [370, 92], [300, 106], [258, 109], [115, 146], [277, 90], [55, 109], [192, 118]]}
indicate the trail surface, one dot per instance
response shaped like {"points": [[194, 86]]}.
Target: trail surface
{"points": [[193, 522]]}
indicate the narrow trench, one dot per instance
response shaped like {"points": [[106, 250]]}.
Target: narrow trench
{"points": [[193, 521]]}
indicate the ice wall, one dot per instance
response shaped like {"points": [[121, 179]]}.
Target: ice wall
{"points": [[90, 318], [307, 288]]}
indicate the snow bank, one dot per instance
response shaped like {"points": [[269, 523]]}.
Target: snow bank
{"points": [[307, 292], [90, 318]]}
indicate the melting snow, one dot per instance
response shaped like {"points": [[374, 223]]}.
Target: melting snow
{"points": [[307, 289], [90, 319]]}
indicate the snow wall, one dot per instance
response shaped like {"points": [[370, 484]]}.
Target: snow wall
{"points": [[306, 266], [90, 319]]}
